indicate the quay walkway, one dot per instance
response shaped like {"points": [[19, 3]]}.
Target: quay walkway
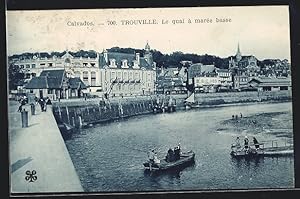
{"points": [[39, 151]]}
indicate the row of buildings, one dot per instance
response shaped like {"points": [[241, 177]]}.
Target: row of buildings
{"points": [[243, 73], [69, 75], [114, 73]]}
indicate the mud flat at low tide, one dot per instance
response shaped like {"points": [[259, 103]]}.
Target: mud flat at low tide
{"points": [[278, 124]]}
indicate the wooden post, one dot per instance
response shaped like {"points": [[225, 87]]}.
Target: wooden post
{"points": [[59, 111], [67, 111], [80, 122]]}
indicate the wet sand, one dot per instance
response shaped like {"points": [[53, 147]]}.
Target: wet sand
{"points": [[279, 124]]}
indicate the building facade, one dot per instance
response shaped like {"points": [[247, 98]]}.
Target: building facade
{"points": [[271, 83], [246, 64], [83, 65], [55, 84], [123, 74]]}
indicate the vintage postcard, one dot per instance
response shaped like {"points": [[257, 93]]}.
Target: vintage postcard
{"points": [[150, 100]]}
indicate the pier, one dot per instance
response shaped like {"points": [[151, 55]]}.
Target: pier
{"points": [[39, 153]]}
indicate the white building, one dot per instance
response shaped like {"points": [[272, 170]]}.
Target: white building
{"points": [[225, 77], [123, 74], [85, 67]]}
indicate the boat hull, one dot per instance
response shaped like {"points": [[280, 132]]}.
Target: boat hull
{"points": [[185, 159], [272, 152]]}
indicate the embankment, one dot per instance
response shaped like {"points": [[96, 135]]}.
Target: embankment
{"points": [[80, 113]]}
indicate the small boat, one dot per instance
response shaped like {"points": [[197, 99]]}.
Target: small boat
{"points": [[259, 150], [250, 152], [161, 165]]}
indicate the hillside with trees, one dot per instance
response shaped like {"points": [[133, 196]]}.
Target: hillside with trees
{"points": [[174, 59]]}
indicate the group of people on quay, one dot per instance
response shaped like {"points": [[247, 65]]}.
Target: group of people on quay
{"points": [[43, 102]]}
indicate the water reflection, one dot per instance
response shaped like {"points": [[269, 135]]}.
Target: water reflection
{"points": [[253, 161]]}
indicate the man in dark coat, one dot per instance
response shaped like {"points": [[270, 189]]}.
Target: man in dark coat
{"points": [[256, 144]]}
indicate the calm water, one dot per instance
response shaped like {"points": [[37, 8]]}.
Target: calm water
{"points": [[109, 157]]}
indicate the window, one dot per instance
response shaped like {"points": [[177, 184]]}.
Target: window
{"points": [[77, 74], [42, 64], [21, 66], [33, 66], [119, 75], [126, 76], [93, 64], [33, 74], [93, 78], [27, 66], [31, 90], [50, 91], [86, 78], [149, 77], [27, 76], [67, 60], [50, 64], [130, 75], [85, 64], [136, 76], [77, 64], [113, 75]]}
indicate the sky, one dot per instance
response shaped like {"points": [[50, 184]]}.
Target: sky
{"points": [[262, 31]]}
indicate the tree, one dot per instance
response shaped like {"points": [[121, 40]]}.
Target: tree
{"points": [[15, 76]]}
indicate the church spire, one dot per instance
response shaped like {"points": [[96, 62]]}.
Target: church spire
{"points": [[147, 47], [238, 53]]}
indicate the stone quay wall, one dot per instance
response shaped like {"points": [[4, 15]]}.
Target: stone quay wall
{"points": [[80, 113]]}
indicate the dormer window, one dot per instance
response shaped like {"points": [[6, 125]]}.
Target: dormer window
{"points": [[135, 64], [112, 63], [124, 63]]}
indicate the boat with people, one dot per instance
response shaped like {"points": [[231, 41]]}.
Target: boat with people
{"points": [[255, 149], [174, 159], [247, 150]]}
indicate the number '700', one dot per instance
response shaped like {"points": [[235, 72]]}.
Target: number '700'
{"points": [[111, 22]]}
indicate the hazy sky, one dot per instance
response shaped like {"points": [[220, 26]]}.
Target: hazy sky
{"points": [[262, 31]]}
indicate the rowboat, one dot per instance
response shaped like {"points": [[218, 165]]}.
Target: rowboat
{"points": [[185, 159]]}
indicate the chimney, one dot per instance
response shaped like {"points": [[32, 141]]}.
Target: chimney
{"points": [[105, 54], [137, 57]]}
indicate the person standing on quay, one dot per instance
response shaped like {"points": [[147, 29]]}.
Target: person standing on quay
{"points": [[41, 102]]}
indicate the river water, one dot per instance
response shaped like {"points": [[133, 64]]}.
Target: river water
{"points": [[108, 157]]}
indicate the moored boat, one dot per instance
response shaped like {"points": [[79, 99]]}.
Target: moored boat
{"points": [[256, 149]]}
